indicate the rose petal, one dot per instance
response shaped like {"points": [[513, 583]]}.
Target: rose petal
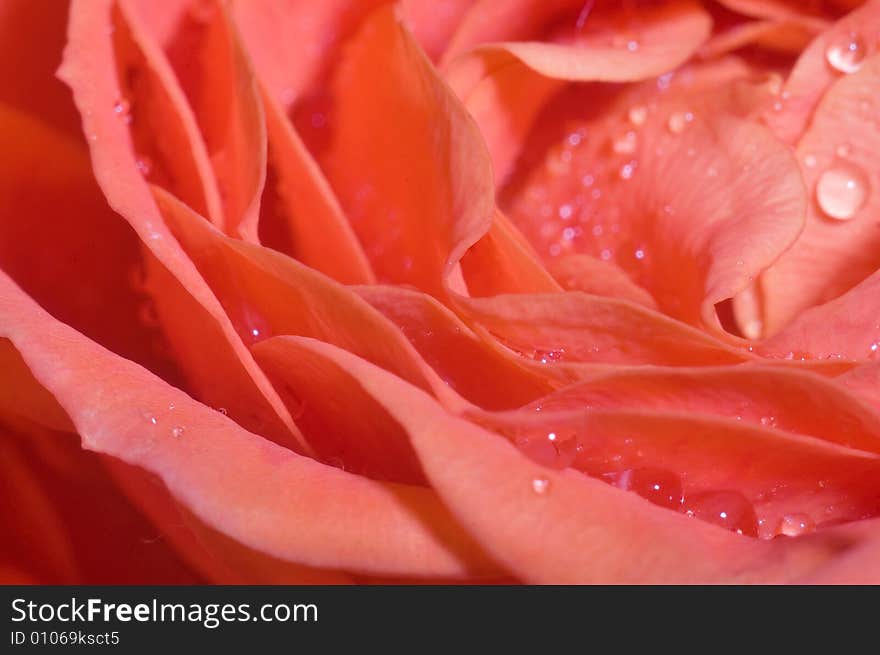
{"points": [[610, 187], [153, 103], [486, 375], [433, 23], [593, 276], [293, 43], [864, 380], [305, 210], [505, 85], [832, 255], [406, 160], [65, 523], [250, 280], [780, 11], [45, 179], [813, 75], [215, 73], [520, 511], [794, 401], [844, 328], [252, 490], [502, 261], [220, 368], [795, 474], [217, 557], [575, 327], [31, 38]]}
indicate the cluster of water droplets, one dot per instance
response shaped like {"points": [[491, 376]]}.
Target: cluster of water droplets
{"points": [[842, 189], [165, 422], [728, 508]]}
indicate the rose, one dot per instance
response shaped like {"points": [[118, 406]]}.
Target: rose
{"points": [[316, 351]]}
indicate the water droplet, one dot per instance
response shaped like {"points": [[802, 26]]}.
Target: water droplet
{"points": [[664, 81], [171, 407], [729, 509], [841, 191], [122, 108], [177, 431], [655, 485], [810, 161], [639, 254], [846, 53], [768, 421], [144, 165], [223, 411], [632, 45], [565, 212], [627, 170], [844, 150], [550, 449], [549, 356], [540, 485], [793, 525], [679, 121], [638, 115], [626, 143]]}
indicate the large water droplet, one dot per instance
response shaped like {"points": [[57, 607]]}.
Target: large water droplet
{"points": [[842, 190], [656, 485], [550, 449], [729, 509], [793, 525], [846, 53]]}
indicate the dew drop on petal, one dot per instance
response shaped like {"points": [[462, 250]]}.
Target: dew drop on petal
{"points": [[177, 431], [846, 53], [626, 143], [223, 411], [658, 486], [541, 485], [729, 509], [842, 191], [144, 165], [122, 109], [793, 525], [678, 121], [549, 356], [638, 115]]}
